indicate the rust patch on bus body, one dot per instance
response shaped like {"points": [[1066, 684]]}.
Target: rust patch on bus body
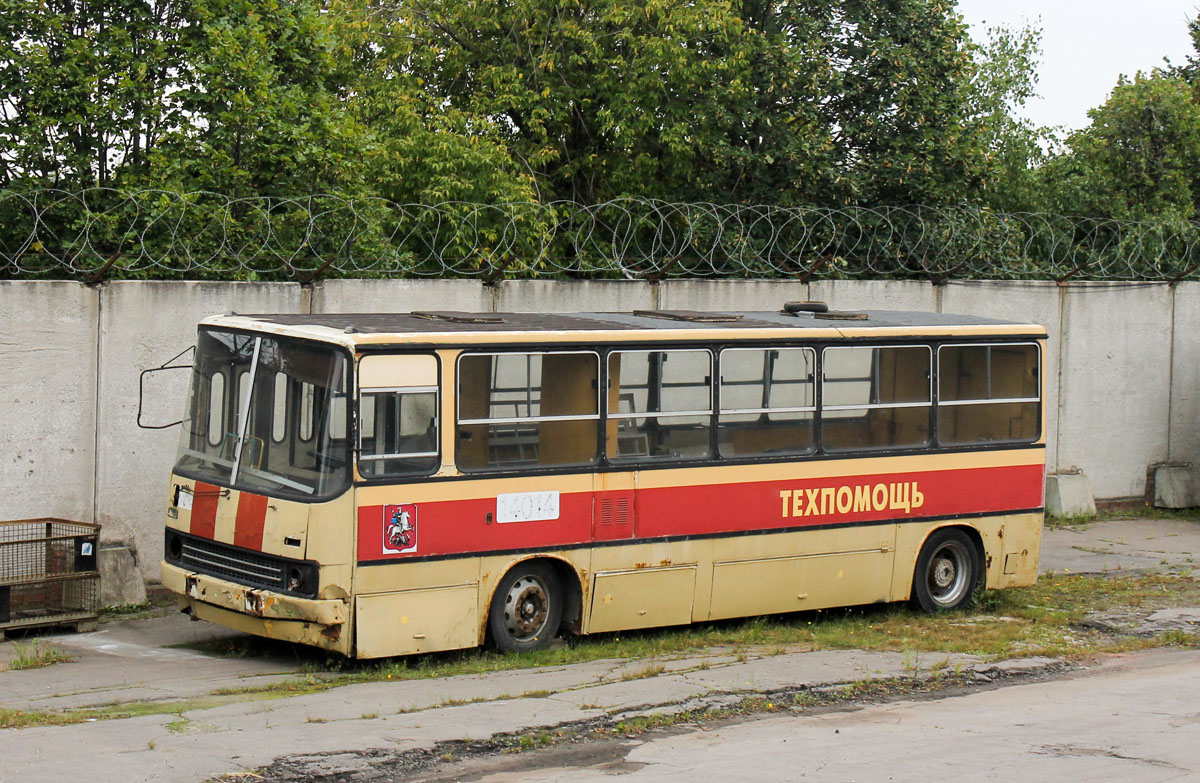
{"points": [[258, 603]]}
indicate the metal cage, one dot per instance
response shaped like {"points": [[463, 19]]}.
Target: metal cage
{"points": [[48, 573]]}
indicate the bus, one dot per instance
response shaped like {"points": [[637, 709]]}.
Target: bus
{"points": [[398, 483]]}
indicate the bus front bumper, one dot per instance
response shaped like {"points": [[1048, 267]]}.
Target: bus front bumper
{"points": [[266, 613]]}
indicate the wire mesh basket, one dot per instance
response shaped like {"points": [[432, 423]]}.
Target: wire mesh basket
{"points": [[48, 573]]}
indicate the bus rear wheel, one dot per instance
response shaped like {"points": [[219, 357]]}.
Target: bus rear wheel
{"points": [[947, 572], [527, 609]]}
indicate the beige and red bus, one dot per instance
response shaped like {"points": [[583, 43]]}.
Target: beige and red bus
{"points": [[388, 484]]}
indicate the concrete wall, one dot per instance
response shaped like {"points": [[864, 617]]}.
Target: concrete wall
{"points": [[142, 325], [48, 339], [1115, 383], [1122, 369]]}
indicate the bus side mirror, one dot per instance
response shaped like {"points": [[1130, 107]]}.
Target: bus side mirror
{"points": [[169, 364]]}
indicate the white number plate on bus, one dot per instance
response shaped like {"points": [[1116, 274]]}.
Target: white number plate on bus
{"points": [[526, 506]]}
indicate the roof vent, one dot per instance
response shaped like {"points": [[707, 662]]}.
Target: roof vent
{"points": [[695, 316], [805, 307], [836, 315], [457, 317]]}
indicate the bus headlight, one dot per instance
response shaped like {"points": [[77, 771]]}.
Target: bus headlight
{"points": [[300, 579]]}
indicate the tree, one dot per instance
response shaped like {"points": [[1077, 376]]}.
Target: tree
{"points": [[786, 102], [1005, 77], [1139, 158], [261, 90], [85, 87]]}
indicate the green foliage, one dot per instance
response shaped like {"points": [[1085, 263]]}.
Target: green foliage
{"points": [[262, 139], [85, 87], [1138, 158], [797, 102]]}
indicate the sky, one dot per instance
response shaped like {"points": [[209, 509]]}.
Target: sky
{"points": [[1086, 45]]}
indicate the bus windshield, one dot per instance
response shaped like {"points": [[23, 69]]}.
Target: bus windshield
{"points": [[267, 415]]}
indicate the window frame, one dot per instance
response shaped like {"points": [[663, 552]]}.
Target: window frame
{"points": [[720, 409], [591, 465], [460, 421], [930, 375], [712, 367], [437, 424], [1039, 400], [990, 400], [929, 404], [361, 392]]}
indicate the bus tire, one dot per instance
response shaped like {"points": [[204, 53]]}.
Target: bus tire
{"points": [[526, 609], [947, 572]]}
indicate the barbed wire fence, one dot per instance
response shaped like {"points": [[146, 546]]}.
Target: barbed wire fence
{"points": [[100, 234]]}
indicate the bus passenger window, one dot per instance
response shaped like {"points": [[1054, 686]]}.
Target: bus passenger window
{"points": [[307, 411], [875, 397], [767, 401], [398, 433], [659, 405], [279, 408], [527, 409], [988, 393], [216, 409]]}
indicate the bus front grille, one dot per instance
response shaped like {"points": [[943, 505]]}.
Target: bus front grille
{"points": [[242, 566], [239, 566]]}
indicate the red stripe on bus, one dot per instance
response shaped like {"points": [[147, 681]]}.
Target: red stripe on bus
{"points": [[204, 509], [461, 526], [251, 517], [707, 509]]}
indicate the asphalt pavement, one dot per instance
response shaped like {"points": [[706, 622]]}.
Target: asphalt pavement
{"points": [[346, 729]]}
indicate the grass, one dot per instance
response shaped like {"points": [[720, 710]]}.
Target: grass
{"points": [[649, 670], [17, 719], [37, 654], [155, 606], [1143, 511], [1044, 619]]}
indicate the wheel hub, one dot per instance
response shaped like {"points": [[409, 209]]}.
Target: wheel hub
{"points": [[943, 573], [526, 609]]}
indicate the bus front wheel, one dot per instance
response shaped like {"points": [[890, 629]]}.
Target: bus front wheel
{"points": [[526, 609], [947, 572]]}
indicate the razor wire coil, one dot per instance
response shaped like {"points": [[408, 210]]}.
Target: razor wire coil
{"points": [[103, 233]]}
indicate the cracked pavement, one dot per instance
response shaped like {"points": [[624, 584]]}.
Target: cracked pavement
{"points": [[345, 731]]}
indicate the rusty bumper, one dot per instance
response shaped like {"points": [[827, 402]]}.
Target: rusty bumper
{"points": [[252, 601]]}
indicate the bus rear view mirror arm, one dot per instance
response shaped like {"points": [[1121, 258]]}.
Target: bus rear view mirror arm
{"points": [[169, 364]]}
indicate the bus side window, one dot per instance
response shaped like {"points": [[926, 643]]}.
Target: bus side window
{"points": [[875, 397], [398, 415], [767, 401], [659, 405], [531, 408], [402, 435], [988, 393]]}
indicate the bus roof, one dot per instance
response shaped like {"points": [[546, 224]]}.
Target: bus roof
{"points": [[457, 328]]}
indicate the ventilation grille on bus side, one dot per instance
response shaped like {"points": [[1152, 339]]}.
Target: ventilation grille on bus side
{"points": [[614, 511]]}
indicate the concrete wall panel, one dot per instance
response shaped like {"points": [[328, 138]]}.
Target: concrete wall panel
{"points": [[142, 324], [1115, 392], [876, 295], [399, 296], [48, 403], [1035, 302], [562, 296], [1185, 379], [721, 295]]}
